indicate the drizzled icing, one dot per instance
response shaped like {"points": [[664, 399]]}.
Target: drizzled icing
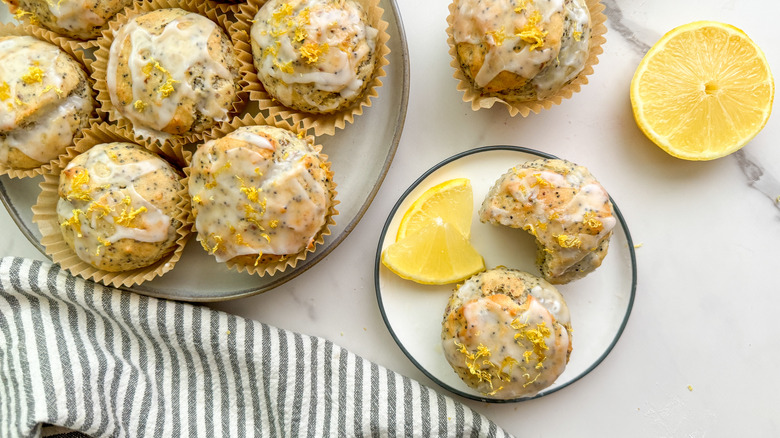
{"points": [[175, 52], [262, 194], [560, 203], [106, 205], [29, 76], [76, 17], [318, 42], [521, 38], [507, 347]]}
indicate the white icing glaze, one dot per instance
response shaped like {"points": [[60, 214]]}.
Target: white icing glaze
{"points": [[330, 23], [181, 46], [574, 51], [116, 193], [50, 133], [47, 132], [475, 21], [75, 16], [279, 211], [17, 56]]}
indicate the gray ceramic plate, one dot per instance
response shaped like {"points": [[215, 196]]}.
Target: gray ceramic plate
{"points": [[373, 137]]}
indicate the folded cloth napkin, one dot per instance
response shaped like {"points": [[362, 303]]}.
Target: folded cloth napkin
{"points": [[81, 356]]}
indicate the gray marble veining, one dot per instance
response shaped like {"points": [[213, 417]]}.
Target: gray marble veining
{"points": [[758, 178], [619, 24]]}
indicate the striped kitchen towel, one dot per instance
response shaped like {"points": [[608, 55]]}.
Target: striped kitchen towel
{"points": [[79, 356]]}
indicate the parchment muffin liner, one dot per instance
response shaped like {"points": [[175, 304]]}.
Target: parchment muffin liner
{"points": [[524, 108], [101, 54], [230, 8], [78, 56], [72, 43], [45, 215], [320, 124], [289, 261]]}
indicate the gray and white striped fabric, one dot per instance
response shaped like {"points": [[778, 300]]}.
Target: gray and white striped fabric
{"points": [[104, 362]]}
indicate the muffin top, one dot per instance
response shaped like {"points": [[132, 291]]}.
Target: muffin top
{"points": [[259, 190], [563, 206], [170, 71], [527, 48], [78, 19], [44, 97], [117, 206], [314, 55], [507, 333]]}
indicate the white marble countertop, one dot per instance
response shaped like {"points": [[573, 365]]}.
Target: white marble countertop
{"points": [[698, 355]]}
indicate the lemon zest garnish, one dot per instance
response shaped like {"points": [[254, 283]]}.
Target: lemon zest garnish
{"points": [[589, 219], [5, 91], [498, 36], [528, 376], [102, 210], [282, 12], [541, 182], [128, 215], [74, 222], [77, 190], [530, 228], [522, 5], [638, 245], [167, 89], [568, 241], [196, 199], [266, 237], [34, 74], [103, 241], [311, 51], [259, 256], [139, 105], [217, 241], [52, 87], [285, 68], [300, 34], [274, 223], [577, 35], [531, 33], [541, 225]]}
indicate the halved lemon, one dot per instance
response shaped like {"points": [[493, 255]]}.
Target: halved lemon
{"points": [[438, 253], [703, 91], [451, 201]]}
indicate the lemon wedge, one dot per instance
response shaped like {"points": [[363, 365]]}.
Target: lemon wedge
{"points": [[451, 201], [703, 91], [438, 253]]}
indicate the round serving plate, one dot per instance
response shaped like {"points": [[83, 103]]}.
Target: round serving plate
{"points": [[600, 303], [373, 137]]}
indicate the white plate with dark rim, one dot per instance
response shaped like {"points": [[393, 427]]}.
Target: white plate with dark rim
{"points": [[600, 303], [374, 137]]}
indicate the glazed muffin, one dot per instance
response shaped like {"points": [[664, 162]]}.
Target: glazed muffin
{"points": [[521, 50], [117, 206], [563, 206], [45, 100], [507, 333], [170, 71], [259, 195], [78, 19], [315, 56]]}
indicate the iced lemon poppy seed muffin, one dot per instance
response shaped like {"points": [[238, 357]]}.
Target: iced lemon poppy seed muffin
{"points": [[563, 206], [259, 195], [170, 71], [521, 50], [316, 56], [78, 19], [507, 333], [45, 100], [117, 206]]}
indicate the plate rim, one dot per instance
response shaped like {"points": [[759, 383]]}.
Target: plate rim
{"points": [[378, 264], [304, 265]]}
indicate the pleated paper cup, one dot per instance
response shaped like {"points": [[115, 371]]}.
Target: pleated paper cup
{"points": [[481, 99], [78, 56], [100, 65], [45, 216], [319, 124], [270, 264]]}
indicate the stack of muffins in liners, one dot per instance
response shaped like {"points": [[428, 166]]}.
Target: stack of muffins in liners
{"points": [[154, 120]]}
